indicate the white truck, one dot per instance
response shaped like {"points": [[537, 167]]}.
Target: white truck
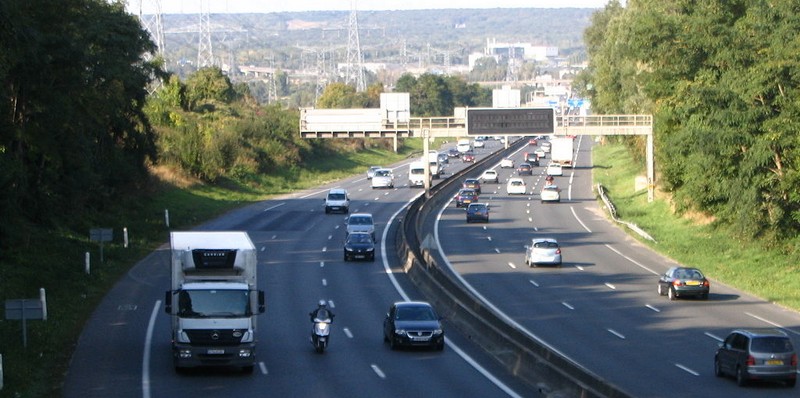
{"points": [[416, 174], [435, 165], [214, 299], [464, 145], [561, 151]]}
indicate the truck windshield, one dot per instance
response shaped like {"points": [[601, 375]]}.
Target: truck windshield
{"points": [[213, 303]]}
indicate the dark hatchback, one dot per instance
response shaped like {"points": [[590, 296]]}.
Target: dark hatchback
{"points": [[531, 158], [525, 169], [466, 196], [413, 324], [453, 153], [682, 282], [472, 183], [359, 246], [478, 212]]}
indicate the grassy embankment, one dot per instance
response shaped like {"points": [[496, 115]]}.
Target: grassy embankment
{"points": [[53, 258], [695, 240]]}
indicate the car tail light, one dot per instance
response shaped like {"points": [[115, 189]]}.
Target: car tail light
{"points": [[706, 284], [794, 359], [677, 282], [750, 361], [558, 251]]}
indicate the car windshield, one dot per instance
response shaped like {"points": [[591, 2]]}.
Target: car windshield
{"points": [[360, 221], [359, 238], [383, 173], [771, 344], [336, 196], [415, 314], [516, 183], [688, 274], [544, 245]]}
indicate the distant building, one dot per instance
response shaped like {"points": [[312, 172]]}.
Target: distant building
{"points": [[525, 51]]}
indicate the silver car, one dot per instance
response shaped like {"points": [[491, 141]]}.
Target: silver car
{"points": [[757, 354], [360, 222], [543, 251]]}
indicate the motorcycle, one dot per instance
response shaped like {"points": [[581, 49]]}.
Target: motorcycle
{"points": [[320, 333]]}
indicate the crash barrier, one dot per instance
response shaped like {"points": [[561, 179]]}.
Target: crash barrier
{"points": [[521, 353], [612, 210]]}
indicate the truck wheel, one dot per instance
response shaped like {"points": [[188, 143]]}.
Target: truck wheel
{"points": [[247, 369]]}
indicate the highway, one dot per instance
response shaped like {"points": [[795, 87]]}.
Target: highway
{"points": [[124, 350], [600, 308]]}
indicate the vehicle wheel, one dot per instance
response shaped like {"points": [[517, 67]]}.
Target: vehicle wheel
{"points": [[791, 383], [717, 368], [671, 294], [345, 258], [660, 290], [704, 296], [327, 211], [247, 369], [440, 346], [346, 210], [320, 349], [393, 343], [741, 377], [372, 258]]}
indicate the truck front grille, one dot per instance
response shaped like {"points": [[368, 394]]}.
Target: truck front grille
{"points": [[216, 337]]}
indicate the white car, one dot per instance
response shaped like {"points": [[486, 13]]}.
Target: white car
{"points": [[489, 176], [554, 169], [516, 186], [545, 146], [506, 164], [371, 171], [478, 143], [383, 178], [360, 222], [550, 193], [544, 251], [540, 153]]}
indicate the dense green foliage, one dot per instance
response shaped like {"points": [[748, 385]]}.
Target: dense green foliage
{"points": [[436, 95], [721, 78], [73, 85]]}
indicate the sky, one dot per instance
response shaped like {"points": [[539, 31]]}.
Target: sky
{"points": [[266, 6]]}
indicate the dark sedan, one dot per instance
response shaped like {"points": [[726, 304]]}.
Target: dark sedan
{"points": [[525, 169], [472, 183], [478, 212], [468, 157], [359, 246], [453, 153], [466, 196], [683, 281], [413, 324]]}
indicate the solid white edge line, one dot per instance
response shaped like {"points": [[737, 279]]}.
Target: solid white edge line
{"points": [[148, 345], [692, 372], [497, 382]]}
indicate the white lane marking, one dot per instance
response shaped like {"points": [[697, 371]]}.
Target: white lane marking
{"points": [[575, 215], [652, 308], [378, 371], [322, 264], [347, 332], [496, 250], [324, 282], [687, 369], [274, 237], [324, 249], [642, 266], [579, 267], [452, 346], [489, 238], [530, 219], [565, 304], [272, 207], [263, 248], [533, 283], [330, 237], [771, 323], [610, 286], [615, 333], [484, 228], [510, 264], [148, 345], [713, 336], [263, 368]]}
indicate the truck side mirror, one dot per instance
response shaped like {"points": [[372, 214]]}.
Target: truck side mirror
{"points": [[261, 306], [168, 302]]}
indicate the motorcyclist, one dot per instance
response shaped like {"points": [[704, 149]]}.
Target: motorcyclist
{"points": [[321, 312]]}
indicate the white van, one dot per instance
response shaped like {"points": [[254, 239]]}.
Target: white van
{"points": [[337, 200], [416, 174], [464, 145]]}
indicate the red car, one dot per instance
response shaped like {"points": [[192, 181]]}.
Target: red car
{"points": [[468, 157], [533, 142]]}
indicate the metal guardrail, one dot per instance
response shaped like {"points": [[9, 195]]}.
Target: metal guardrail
{"points": [[525, 357]]}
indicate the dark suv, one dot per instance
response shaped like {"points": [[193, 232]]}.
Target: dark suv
{"points": [[757, 354]]}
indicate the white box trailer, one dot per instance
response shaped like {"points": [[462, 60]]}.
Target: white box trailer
{"points": [[561, 151], [213, 300]]}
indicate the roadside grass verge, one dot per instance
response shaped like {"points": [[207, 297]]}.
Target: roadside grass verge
{"points": [[53, 257], [750, 265]]}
